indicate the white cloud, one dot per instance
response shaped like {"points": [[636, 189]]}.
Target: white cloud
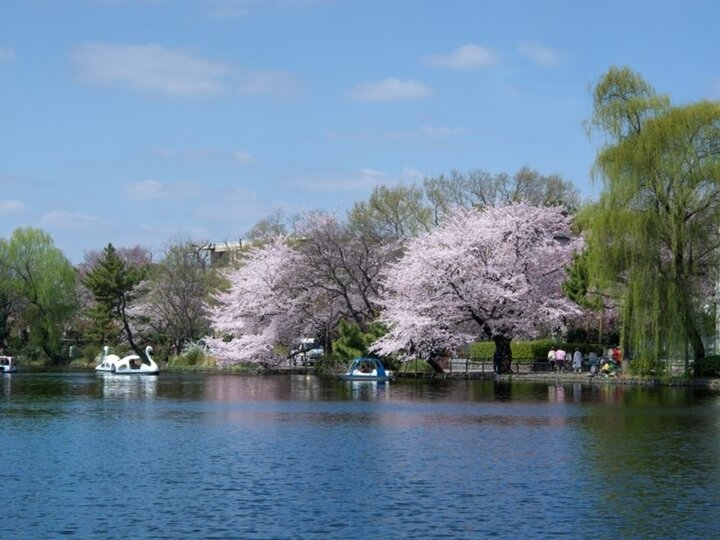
{"points": [[539, 54], [242, 157], [11, 207], [469, 56], [153, 68], [274, 83], [152, 190], [372, 172], [390, 90], [150, 68], [7, 55], [71, 220]]}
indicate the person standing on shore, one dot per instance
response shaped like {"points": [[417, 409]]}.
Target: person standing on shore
{"points": [[577, 361], [551, 358], [560, 355]]}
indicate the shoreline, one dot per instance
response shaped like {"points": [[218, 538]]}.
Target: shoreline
{"points": [[529, 377], [569, 378]]}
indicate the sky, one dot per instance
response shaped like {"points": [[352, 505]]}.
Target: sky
{"points": [[144, 122]]}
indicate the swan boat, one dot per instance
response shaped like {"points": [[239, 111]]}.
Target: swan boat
{"points": [[128, 365], [366, 369], [7, 364]]}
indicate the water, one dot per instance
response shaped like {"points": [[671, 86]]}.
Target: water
{"points": [[209, 456]]}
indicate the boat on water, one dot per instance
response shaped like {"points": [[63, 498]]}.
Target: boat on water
{"points": [[367, 369], [131, 364], [7, 364]]}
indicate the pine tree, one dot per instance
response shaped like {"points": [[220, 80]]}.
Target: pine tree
{"points": [[113, 283]]}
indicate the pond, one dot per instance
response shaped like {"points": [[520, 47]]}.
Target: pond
{"points": [[221, 456]]}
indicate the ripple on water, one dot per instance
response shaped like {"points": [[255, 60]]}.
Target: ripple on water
{"points": [[234, 457]]}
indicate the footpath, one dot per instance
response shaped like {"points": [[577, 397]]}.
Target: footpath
{"points": [[568, 378]]}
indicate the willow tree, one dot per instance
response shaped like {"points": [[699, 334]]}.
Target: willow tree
{"points": [[653, 234], [40, 280]]}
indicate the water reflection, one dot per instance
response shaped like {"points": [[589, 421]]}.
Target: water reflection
{"points": [[287, 456], [556, 393], [369, 390], [7, 383], [128, 386], [570, 393], [239, 388]]}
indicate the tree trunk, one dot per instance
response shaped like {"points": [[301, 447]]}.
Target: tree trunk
{"points": [[502, 360], [437, 368], [698, 350]]}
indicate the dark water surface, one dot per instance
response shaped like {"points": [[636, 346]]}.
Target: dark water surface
{"points": [[211, 456]]}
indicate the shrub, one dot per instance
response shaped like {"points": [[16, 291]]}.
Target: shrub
{"points": [[528, 351], [709, 367], [415, 366], [330, 364], [91, 352], [353, 342], [192, 355]]}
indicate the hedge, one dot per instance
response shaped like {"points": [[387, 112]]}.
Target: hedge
{"points": [[529, 351]]}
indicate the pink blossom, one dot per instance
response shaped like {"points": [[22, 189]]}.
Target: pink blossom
{"points": [[481, 274]]}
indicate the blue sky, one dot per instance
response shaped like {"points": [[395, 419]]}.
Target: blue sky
{"points": [[144, 121]]}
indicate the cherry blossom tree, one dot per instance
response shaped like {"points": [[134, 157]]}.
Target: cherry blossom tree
{"points": [[493, 274], [266, 305], [343, 265], [302, 285]]}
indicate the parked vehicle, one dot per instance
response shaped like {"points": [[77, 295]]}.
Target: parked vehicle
{"points": [[305, 352]]}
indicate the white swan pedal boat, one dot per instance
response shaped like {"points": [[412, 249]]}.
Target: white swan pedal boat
{"points": [[128, 365], [366, 369], [7, 364]]}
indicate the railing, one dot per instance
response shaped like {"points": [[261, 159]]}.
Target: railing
{"points": [[468, 365]]}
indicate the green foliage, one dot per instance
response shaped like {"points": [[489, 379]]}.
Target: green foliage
{"points": [[416, 366], [647, 366], [622, 102], [330, 364], [353, 342], [483, 350], [111, 279], [577, 284], [91, 351], [708, 367], [522, 351], [528, 351], [112, 282], [651, 235], [193, 355], [40, 281], [393, 213]]}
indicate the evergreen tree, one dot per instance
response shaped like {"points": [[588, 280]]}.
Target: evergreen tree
{"points": [[113, 284]]}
